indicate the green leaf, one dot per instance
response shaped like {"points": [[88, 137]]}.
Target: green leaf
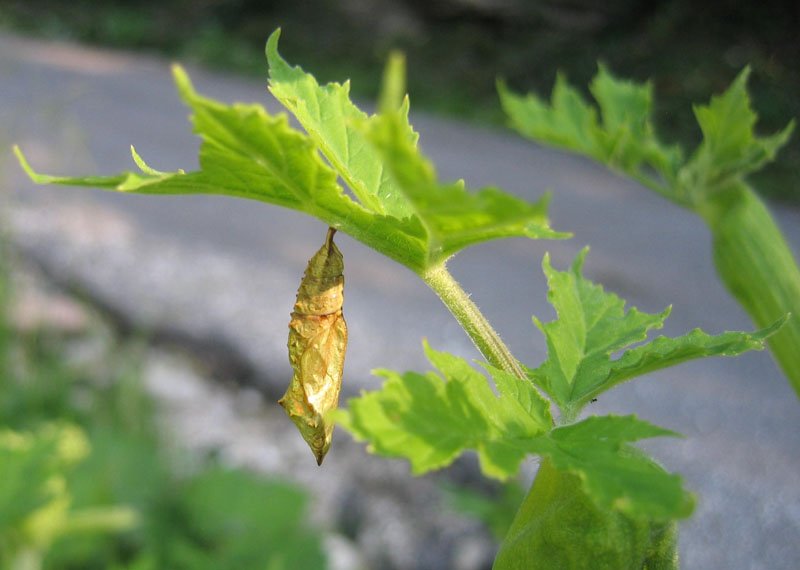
{"points": [[628, 137], [234, 519], [593, 324], [751, 255], [568, 121], [730, 148], [34, 498], [431, 419], [623, 139], [26, 464], [615, 475], [664, 352], [330, 119], [453, 218], [248, 153]]}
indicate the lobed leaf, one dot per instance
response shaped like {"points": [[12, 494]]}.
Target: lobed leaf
{"points": [[248, 153], [330, 119], [431, 419], [453, 218], [568, 121], [664, 352], [593, 324], [614, 474], [624, 139], [730, 148]]}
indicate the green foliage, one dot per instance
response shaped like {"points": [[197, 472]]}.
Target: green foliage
{"points": [[593, 324], [613, 474], [622, 137], [431, 419], [332, 121], [101, 491], [729, 148], [593, 483], [234, 520], [400, 209], [625, 140], [27, 463], [35, 501], [752, 257]]}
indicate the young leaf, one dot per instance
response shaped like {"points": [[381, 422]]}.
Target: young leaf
{"points": [[627, 134], [614, 474], [593, 324], [730, 148], [752, 257], [664, 352], [431, 419], [568, 121]]}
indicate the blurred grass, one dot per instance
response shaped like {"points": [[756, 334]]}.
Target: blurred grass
{"points": [[456, 49], [193, 513]]}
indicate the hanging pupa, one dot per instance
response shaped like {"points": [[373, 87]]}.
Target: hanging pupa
{"points": [[317, 344]]}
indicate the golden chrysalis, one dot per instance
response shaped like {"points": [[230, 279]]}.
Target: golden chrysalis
{"points": [[317, 343]]}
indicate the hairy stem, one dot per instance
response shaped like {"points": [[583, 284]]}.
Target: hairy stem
{"points": [[471, 320]]}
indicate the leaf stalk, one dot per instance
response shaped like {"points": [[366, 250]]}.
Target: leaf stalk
{"points": [[485, 338]]}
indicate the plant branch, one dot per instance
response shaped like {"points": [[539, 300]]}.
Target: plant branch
{"points": [[472, 320]]}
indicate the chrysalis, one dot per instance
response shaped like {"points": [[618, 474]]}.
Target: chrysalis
{"points": [[317, 343]]}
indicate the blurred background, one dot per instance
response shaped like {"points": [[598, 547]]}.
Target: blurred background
{"points": [[689, 51], [142, 339]]}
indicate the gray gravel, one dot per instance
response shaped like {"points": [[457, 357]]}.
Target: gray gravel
{"points": [[223, 273]]}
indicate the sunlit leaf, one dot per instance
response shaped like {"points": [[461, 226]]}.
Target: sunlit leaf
{"points": [[249, 153], [431, 419], [593, 324]]}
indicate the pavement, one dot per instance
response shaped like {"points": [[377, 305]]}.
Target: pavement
{"points": [[220, 274]]}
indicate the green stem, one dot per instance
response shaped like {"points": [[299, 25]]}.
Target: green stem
{"points": [[471, 320], [559, 526], [758, 268]]}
